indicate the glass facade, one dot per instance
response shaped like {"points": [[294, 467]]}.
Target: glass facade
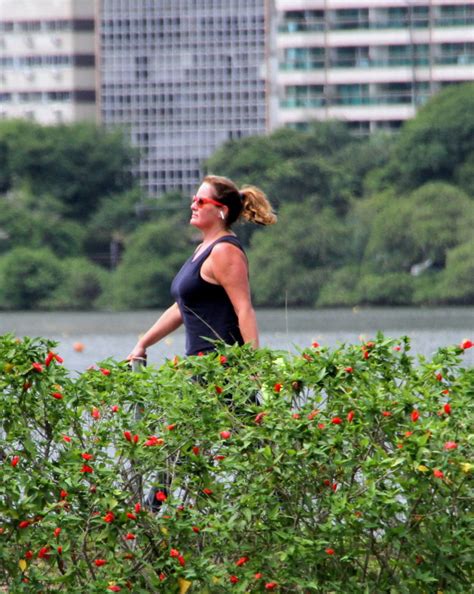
{"points": [[184, 76]]}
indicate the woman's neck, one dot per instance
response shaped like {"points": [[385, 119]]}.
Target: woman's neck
{"points": [[211, 235]]}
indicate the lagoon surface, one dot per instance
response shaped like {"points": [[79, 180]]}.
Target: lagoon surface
{"points": [[113, 334]]}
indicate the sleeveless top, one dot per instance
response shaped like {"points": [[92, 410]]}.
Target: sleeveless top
{"points": [[206, 309]]}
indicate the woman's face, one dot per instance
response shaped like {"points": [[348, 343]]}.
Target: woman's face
{"points": [[205, 215]]}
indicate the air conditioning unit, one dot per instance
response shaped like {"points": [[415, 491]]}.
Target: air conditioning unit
{"points": [[57, 41], [30, 76], [57, 75]]}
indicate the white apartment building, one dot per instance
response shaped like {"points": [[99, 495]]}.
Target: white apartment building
{"points": [[371, 63], [183, 76], [47, 60]]}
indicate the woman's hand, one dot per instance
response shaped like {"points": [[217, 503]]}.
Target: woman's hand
{"points": [[138, 352]]}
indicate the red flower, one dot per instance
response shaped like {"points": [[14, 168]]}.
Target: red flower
{"points": [[196, 529], [67, 439], [115, 408], [415, 415], [104, 371], [218, 389], [350, 416], [439, 377], [295, 415], [174, 553], [57, 532], [29, 555], [171, 427], [37, 367], [334, 487], [52, 356], [127, 435], [95, 413], [233, 579], [222, 359], [307, 357], [195, 450], [271, 586], [467, 344], [242, 561], [162, 576], [63, 494], [438, 473], [312, 414], [258, 576], [44, 553], [315, 345], [330, 551], [447, 408], [87, 456], [138, 508], [336, 421], [181, 561], [277, 388], [408, 433], [321, 425], [259, 418], [15, 460], [207, 491], [135, 439], [397, 347], [446, 392], [114, 588], [24, 524], [109, 517], [131, 516], [348, 369], [154, 441], [450, 445], [386, 413], [130, 536], [57, 395], [225, 434], [200, 354], [160, 496], [219, 458], [86, 469], [100, 562]]}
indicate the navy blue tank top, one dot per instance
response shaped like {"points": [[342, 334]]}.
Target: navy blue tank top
{"points": [[206, 309]]}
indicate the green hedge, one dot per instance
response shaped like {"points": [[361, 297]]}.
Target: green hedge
{"points": [[332, 470]]}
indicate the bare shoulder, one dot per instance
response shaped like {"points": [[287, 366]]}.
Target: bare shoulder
{"points": [[227, 252]]}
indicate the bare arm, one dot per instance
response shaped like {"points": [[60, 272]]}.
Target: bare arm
{"points": [[169, 321], [228, 267]]}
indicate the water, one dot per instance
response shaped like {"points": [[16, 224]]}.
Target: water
{"points": [[106, 334]]}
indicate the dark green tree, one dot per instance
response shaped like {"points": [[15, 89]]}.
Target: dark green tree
{"points": [[78, 164], [437, 142]]}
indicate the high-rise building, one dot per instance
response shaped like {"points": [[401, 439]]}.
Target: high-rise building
{"points": [[47, 60], [183, 76], [371, 63]]}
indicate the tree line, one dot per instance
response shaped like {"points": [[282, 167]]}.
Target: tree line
{"points": [[382, 220]]}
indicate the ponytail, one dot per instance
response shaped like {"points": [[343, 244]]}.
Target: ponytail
{"points": [[256, 207]]}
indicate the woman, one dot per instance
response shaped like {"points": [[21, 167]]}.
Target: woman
{"points": [[211, 291]]}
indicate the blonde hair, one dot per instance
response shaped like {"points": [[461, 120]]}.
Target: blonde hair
{"points": [[249, 202]]}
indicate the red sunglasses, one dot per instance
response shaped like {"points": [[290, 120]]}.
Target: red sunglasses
{"points": [[200, 202]]}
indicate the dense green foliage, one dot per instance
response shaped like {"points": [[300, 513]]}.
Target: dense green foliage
{"points": [[378, 220], [325, 471]]}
